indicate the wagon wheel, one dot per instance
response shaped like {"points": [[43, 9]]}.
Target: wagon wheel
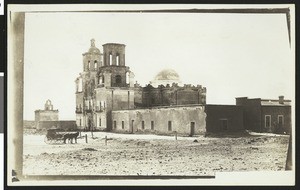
{"points": [[58, 141], [47, 141]]}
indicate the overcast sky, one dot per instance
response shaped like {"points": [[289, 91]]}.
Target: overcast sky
{"points": [[232, 55]]}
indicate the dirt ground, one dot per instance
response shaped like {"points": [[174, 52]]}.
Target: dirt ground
{"points": [[128, 154]]}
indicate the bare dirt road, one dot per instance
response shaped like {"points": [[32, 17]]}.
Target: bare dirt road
{"points": [[150, 155]]}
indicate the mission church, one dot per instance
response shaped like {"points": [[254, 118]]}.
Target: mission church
{"points": [[108, 99]]}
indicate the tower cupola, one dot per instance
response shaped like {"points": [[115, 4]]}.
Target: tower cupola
{"points": [[92, 58]]}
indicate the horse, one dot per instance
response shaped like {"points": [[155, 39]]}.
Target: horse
{"points": [[70, 137]]}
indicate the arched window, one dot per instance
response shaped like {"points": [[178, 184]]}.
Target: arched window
{"points": [[110, 59], [89, 65], [95, 64], [118, 79], [127, 77], [117, 60], [101, 79]]}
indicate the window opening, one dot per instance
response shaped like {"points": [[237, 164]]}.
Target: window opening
{"points": [[267, 121], [127, 77], [110, 59], [117, 60], [118, 79], [280, 120], [95, 65], [143, 124], [152, 125], [170, 126]]}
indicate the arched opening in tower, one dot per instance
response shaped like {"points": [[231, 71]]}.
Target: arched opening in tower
{"points": [[117, 60], [101, 79], [110, 59], [118, 80], [95, 64], [127, 77], [89, 65]]}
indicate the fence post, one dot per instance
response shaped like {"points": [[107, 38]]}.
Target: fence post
{"points": [[80, 134], [105, 140], [86, 141], [92, 133], [175, 135]]}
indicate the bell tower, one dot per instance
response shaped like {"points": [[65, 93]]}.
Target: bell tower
{"points": [[92, 58], [114, 71]]}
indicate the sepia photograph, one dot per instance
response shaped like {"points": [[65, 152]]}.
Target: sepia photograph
{"points": [[151, 92]]}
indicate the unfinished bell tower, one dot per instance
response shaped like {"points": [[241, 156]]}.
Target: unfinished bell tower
{"points": [[114, 72]]}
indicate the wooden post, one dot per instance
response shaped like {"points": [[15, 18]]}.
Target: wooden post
{"points": [[86, 141], [80, 134], [92, 133], [105, 140], [175, 135]]}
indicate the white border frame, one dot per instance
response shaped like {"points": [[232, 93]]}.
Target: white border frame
{"points": [[224, 178]]}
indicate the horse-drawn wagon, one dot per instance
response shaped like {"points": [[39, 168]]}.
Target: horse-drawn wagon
{"points": [[58, 136]]}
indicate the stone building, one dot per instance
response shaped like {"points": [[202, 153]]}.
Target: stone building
{"points": [[49, 118], [46, 115], [171, 95], [224, 118], [188, 120], [266, 115], [106, 95]]}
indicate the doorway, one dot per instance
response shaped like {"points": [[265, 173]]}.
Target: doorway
{"points": [[192, 129], [132, 121], [224, 124]]}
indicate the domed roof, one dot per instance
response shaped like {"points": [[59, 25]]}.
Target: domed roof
{"points": [[93, 48], [167, 74]]}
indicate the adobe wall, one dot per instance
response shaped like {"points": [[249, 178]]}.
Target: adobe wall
{"points": [[115, 99], [252, 113], [28, 124], [274, 111], [172, 95], [123, 99], [180, 117], [64, 124], [46, 115], [100, 121], [138, 97], [216, 113]]}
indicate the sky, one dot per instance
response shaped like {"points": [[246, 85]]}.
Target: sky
{"points": [[232, 55]]}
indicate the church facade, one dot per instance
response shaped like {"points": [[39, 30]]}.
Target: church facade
{"points": [[105, 84]]}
